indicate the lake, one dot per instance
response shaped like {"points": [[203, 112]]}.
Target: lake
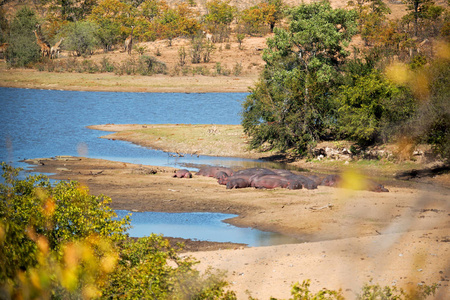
{"points": [[47, 123]]}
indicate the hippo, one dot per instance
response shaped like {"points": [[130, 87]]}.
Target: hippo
{"points": [[255, 171], [237, 183], [220, 174], [269, 182], [182, 173], [211, 171], [294, 183], [331, 180], [306, 182]]}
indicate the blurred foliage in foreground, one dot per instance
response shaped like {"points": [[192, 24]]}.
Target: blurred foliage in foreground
{"points": [[58, 241]]}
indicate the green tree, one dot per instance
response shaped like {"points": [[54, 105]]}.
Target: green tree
{"points": [[114, 20], [179, 21], [218, 18], [81, 37], [291, 104], [4, 26], [23, 49], [373, 109]]}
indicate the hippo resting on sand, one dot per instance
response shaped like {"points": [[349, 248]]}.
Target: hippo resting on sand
{"points": [[279, 178], [336, 181], [182, 173], [212, 171], [237, 183], [245, 175], [269, 182], [297, 181]]}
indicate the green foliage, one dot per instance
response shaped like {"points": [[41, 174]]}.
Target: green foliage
{"points": [[81, 37], [291, 104], [4, 26], [143, 272], [219, 12], [23, 49], [264, 13], [371, 106], [218, 18], [62, 213]]}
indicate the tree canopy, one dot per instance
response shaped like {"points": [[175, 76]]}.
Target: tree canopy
{"points": [[291, 104]]}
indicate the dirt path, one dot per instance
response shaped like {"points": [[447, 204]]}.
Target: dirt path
{"points": [[399, 237]]}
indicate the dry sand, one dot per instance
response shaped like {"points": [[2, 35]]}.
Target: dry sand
{"points": [[400, 238]]}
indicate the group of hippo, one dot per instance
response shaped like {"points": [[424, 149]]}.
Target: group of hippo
{"points": [[263, 178]]}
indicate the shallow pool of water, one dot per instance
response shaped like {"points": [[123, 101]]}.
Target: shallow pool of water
{"points": [[200, 226]]}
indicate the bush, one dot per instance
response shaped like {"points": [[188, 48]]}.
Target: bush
{"points": [[23, 49], [61, 214], [81, 37]]}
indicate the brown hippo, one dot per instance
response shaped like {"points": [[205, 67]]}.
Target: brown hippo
{"points": [[294, 183], [306, 182], [220, 175], [182, 173], [211, 171], [269, 182], [237, 183], [331, 180]]}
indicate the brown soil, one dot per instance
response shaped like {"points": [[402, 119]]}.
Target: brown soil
{"points": [[350, 236]]}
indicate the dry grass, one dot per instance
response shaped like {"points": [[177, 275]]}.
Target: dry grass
{"points": [[213, 140]]}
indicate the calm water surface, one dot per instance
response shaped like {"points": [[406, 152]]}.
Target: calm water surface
{"points": [[46, 123], [200, 226]]}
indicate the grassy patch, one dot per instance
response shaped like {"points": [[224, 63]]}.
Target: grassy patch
{"points": [[214, 140]]}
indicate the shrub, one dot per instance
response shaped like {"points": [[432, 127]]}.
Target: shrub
{"points": [[106, 65], [237, 69], [81, 37], [61, 214], [149, 65]]}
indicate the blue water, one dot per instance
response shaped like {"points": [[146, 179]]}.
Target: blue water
{"points": [[47, 123], [200, 226]]}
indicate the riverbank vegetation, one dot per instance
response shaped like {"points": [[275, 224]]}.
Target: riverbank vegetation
{"points": [[312, 88]]}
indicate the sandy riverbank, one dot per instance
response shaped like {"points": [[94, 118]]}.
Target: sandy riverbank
{"points": [[398, 238]]}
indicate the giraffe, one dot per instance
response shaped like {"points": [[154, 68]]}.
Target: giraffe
{"points": [[54, 51], [129, 41], [45, 47]]}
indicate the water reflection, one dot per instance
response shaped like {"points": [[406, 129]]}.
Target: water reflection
{"points": [[200, 226]]}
